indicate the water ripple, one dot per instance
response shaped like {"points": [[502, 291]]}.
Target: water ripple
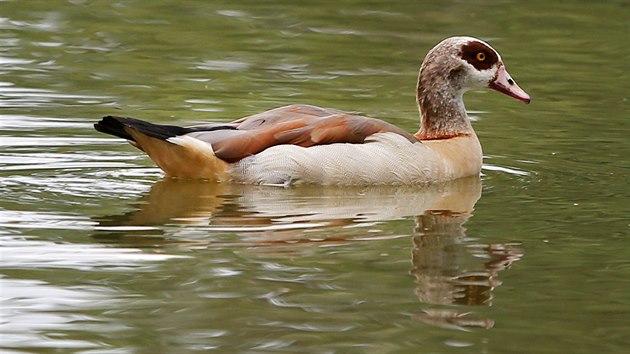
{"points": [[56, 141], [21, 122], [20, 97], [223, 65], [33, 310], [23, 253]]}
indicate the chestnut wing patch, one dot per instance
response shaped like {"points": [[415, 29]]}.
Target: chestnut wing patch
{"points": [[257, 133], [339, 128]]}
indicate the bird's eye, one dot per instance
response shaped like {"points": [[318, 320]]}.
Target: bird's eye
{"points": [[481, 56]]}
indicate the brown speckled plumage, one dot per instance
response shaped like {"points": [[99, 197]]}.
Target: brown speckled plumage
{"points": [[441, 85]]}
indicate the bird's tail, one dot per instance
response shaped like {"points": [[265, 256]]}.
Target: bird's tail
{"points": [[168, 146], [116, 126]]}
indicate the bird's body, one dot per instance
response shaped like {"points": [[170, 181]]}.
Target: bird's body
{"points": [[383, 158], [308, 144]]}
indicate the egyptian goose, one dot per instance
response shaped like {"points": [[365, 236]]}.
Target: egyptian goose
{"points": [[308, 144]]}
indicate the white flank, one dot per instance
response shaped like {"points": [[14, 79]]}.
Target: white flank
{"points": [[192, 143]]}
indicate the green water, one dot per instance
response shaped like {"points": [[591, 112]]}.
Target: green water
{"points": [[99, 254]]}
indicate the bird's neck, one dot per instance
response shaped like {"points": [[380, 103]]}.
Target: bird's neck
{"points": [[441, 105]]}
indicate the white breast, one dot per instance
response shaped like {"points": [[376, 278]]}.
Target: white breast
{"points": [[385, 158]]}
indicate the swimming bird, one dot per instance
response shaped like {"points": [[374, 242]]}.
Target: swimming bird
{"points": [[308, 144]]}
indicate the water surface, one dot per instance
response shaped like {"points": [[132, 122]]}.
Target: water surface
{"points": [[100, 254]]}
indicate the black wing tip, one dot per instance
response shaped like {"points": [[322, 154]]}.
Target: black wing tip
{"points": [[115, 125]]}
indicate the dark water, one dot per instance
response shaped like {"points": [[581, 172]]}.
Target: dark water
{"points": [[99, 254]]}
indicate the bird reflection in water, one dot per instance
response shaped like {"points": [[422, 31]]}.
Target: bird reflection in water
{"points": [[449, 267]]}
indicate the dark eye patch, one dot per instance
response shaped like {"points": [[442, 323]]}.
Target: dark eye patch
{"points": [[470, 53]]}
